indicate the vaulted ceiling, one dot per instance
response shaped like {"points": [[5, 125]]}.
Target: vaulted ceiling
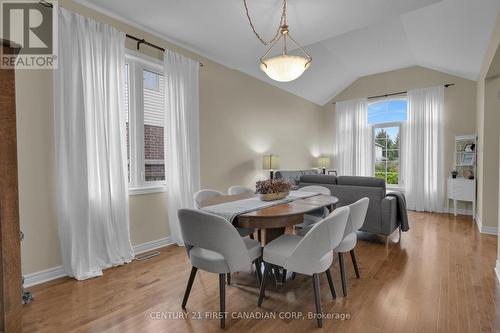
{"points": [[347, 39]]}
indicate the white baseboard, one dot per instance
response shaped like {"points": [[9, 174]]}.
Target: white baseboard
{"points": [[53, 273], [497, 270], [484, 229], [153, 245], [43, 276]]}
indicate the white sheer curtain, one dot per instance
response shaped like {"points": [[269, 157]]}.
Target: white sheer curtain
{"points": [[423, 166], [90, 147], [353, 139], [182, 148]]}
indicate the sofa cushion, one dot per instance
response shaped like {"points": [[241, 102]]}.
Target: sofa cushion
{"points": [[360, 181], [320, 179], [294, 176]]}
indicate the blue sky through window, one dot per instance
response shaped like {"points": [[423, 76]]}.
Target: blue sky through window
{"points": [[387, 111]]}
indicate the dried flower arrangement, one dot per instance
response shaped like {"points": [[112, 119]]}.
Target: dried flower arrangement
{"points": [[273, 186]]}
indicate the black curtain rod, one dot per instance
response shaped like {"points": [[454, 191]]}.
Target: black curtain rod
{"points": [[400, 93], [143, 41], [138, 40]]}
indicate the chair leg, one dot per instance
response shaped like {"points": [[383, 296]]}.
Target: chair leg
{"points": [[330, 283], [258, 270], [189, 285], [222, 295], [294, 275], [251, 236], [355, 263], [317, 299], [265, 277], [342, 273], [259, 236], [228, 275], [283, 278]]}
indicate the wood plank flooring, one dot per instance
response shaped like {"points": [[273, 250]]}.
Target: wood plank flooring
{"points": [[439, 279]]}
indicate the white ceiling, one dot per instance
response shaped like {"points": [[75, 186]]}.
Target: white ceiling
{"points": [[347, 39]]}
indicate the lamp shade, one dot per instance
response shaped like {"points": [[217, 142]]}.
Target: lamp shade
{"points": [[270, 162], [324, 162], [285, 68]]}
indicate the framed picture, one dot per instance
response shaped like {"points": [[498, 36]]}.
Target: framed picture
{"points": [[468, 159]]}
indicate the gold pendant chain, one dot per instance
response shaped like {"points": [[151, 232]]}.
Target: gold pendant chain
{"points": [[282, 23]]}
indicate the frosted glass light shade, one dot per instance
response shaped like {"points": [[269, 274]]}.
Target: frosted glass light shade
{"points": [[284, 68]]}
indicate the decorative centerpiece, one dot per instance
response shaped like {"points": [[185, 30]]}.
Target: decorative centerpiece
{"points": [[273, 189]]}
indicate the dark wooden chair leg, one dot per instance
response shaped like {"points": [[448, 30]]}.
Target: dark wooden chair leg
{"points": [[189, 285], [251, 236], [222, 295], [330, 283], [265, 277], [259, 236], [228, 275], [283, 278], [342, 273], [317, 299], [355, 263]]}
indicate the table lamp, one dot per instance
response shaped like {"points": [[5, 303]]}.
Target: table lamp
{"points": [[271, 163], [323, 163]]}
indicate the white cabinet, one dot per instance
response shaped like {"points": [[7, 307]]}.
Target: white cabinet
{"points": [[462, 189]]}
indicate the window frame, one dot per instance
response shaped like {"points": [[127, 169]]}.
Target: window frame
{"points": [[137, 63], [400, 125]]}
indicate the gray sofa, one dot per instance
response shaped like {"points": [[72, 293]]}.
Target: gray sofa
{"points": [[381, 217], [294, 176]]}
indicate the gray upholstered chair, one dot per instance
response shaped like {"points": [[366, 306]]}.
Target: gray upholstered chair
{"points": [[348, 243], [237, 189], [309, 255], [315, 216], [215, 246], [202, 195]]}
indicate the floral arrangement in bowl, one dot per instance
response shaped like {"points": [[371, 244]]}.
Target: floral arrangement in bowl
{"points": [[273, 189]]}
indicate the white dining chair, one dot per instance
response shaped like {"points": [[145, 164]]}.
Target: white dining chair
{"points": [[309, 255], [213, 245], [356, 219], [237, 189], [313, 217]]}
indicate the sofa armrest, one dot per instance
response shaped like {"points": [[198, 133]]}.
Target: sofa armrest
{"points": [[389, 212]]}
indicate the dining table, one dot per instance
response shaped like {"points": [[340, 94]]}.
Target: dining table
{"points": [[274, 220]]}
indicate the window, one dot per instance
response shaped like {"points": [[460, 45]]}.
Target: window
{"points": [[386, 118], [145, 114]]}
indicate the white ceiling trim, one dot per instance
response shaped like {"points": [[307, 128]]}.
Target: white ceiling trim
{"points": [[348, 39], [171, 40], [145, 29]]}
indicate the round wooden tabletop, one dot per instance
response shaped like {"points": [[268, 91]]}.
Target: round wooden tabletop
{"points": [[277, 217]]}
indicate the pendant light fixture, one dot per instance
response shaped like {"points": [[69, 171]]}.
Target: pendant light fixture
{"points": [[283, 67]]}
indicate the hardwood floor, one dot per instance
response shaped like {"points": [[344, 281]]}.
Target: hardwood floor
{"points": [[439, 279]]}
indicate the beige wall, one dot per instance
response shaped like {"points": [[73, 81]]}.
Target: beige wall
{"points": [[459, 102], [240, 119], [488, 124]]}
